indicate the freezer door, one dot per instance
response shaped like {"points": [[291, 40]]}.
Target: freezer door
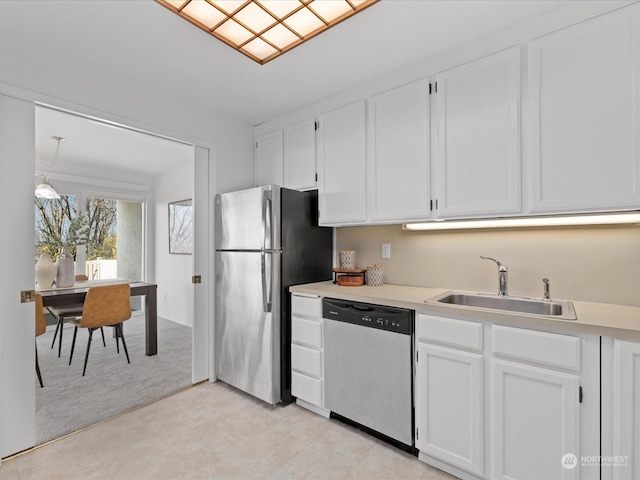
{"points": [[248, 322], [248, 219]]}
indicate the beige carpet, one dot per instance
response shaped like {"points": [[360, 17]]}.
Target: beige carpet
{"points": [[69, 401]]}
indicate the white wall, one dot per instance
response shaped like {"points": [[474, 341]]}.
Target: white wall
{"points": [[592, 264], [172, 272]]}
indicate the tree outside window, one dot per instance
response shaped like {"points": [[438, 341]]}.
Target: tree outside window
{"points": [[57, 223]]}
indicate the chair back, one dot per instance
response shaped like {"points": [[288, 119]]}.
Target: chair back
{"points": [[41, 324], [106, 305], [81, 277]]}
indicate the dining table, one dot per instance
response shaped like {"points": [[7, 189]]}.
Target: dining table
{"points": [[66, 296]]}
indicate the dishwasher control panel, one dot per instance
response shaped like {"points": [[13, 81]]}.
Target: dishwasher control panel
{"points": [[392, 319]]}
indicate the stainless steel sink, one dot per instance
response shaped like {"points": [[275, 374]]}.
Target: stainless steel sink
{"points": [[554, 308]]}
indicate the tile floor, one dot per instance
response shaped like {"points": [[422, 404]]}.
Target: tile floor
{"points": [[214, 431]]}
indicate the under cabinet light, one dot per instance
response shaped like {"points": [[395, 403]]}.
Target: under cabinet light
{"points": [[556, 221], [265, 29]]}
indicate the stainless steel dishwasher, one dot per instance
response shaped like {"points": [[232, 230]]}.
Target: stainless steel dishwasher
{"points": [[368, 373]]}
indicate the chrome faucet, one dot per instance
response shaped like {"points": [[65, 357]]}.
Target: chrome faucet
{"points": [[502, 276], [546, 295]]}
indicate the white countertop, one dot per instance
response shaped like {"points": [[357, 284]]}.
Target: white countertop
{"points": [[604, 319]]}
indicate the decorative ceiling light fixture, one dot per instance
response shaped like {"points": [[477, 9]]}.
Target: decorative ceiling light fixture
{"points": [[265, 29], [44, 189]]}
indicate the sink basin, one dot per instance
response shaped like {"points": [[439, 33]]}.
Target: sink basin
{"points": [[555, 308]]}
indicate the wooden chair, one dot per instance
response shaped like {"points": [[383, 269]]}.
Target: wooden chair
{"points": [[63, 313], [41, 327], [104, 306]]}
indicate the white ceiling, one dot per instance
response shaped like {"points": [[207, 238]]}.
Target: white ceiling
{"points": [[145, 46], [93, 145]]}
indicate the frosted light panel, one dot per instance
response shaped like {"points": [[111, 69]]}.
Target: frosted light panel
{"points": [[304, 22], [176, 3], [265, 29], [330, 9], [234, 32], [280, 9], [280, 36], [228, 6], [204, 13], [259, 48], [255, 18]]}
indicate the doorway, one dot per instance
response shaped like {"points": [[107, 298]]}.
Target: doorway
{"points": [[17, 389], [123, 207]]}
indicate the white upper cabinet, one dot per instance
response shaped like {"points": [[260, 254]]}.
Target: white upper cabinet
{"points": [[398, 157], [478, 137], [268, 158], [341, 165], [549, 126], [584, 90], [300, 155]]}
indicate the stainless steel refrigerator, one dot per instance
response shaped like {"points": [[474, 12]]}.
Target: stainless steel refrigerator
{"points": [[267, 239]]}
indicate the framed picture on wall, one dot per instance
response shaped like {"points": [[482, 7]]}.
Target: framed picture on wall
{"points": [[181, 227]]}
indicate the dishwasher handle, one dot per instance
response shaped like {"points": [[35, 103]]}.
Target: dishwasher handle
{"points": [[361, 309]]}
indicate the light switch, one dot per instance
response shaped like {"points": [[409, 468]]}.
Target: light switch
{"points": [[386, 250]]}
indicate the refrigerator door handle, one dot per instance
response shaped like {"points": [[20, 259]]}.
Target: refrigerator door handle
{"points": [[266, 292], [267, 227]]}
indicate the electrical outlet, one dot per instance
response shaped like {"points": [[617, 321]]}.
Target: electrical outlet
{"points": [[386, 250]]}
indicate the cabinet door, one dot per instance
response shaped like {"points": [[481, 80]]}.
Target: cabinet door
{"points": [[584, 84], [626, 412], [535, 423], [449, 412], [268, 158], [478, 147], [341, 165], [398, 162], [300, 155]]}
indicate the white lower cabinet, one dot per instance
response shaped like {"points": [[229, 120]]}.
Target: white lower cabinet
{"points": [[535, 422], [307, 383], [451, 416], [535, 404], [449, 392], [501, 402], [620, 409]]}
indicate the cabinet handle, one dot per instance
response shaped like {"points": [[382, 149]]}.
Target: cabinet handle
{"points": [[580, 394]]}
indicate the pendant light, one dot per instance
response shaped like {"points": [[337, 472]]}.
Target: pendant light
{"points": [[44, 189]]}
